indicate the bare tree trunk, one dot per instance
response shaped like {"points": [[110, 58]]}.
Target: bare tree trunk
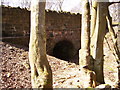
{"points": [[93, 17], [84, 53], [41, 74], [97, 41], [92, 27], [85, 36]]}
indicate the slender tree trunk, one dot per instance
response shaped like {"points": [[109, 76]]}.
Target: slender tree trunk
{"points": [[41, 74], [97, 41], [92, 28], [85, 36], [84, 53], [93, 17]]}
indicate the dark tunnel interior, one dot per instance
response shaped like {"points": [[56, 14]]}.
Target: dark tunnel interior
{"points": [[63, 50]]}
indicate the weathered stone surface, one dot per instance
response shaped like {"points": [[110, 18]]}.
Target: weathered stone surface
{"points": [[103, 87], [59, 27], [118, 40]]}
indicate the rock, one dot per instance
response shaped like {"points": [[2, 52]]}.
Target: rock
{"points": [[11, 48], [26, 65], [102, 87], [8, 75], [24, 54]]}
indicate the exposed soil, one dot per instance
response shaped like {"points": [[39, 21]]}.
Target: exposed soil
{"points": [[15, 69]]}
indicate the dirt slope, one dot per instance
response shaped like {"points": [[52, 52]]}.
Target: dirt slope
{"points": [[15, 69]]}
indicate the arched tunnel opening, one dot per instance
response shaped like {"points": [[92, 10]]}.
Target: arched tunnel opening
{"points": [[63, 50]]}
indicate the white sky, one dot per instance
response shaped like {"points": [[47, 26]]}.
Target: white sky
{"points": [[69, 4]]}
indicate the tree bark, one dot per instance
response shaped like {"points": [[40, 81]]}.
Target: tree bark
{"points": [[84, 53], [41, 74], [93, 17], [85, 36], [97, 41]]}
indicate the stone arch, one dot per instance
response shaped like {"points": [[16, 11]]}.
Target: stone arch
{"points": [[64, 50]]}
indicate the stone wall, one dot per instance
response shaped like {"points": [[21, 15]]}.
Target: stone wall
{"points": [[59, 27], [15, 22]]}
